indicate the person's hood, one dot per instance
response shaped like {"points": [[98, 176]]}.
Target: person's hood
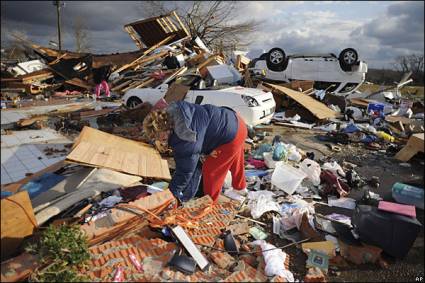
{"points": [[182, 118]]}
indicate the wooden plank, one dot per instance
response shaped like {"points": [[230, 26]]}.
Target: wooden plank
{"points": [[167, 28], [318, 109], [99, 149], [170, 22], [159, 22], [183, 27], [414, 145], [58, 59], [17, 222], [359, 102], [152, 48], [176, 92], [79, 82], [118, 87], [138, 84], [130, 30]]}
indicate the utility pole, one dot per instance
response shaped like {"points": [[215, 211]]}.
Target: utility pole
{"points": [[58, 5]]}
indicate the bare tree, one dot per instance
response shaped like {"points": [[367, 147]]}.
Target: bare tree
{"points": [[212, 21], [81, 35], [411, 63]]}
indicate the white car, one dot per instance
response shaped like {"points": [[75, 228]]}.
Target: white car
{"points": [[341, 75], [255, 106]]}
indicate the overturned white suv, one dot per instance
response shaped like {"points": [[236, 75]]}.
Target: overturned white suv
{"points": [[339, 75]]}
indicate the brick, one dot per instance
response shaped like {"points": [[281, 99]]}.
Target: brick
{"points": [[314, 274], [249, 259], [106, 257], [246, 274], [360, 254], [222, 259], [278, 278]]}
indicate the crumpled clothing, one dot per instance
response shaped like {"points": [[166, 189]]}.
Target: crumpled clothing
{"points": [[333, 185], [275, 261], [334, 167], [258, 164]]}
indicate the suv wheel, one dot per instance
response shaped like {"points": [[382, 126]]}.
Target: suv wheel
{"points": [[348, 57], [133, 102], [276, 59]]}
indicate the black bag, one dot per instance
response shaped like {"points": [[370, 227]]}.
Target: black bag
{"points": [[394, 233]]}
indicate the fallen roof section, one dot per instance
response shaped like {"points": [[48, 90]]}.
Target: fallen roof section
{"points": [[149, 32], [100, 149], [318, 109]]}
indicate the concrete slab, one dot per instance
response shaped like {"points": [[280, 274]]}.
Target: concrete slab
{"points": [[24, 152]]}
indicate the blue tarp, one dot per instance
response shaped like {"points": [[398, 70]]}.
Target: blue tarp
{"points": [[41, 184]]}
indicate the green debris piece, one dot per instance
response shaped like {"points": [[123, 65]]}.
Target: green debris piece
{"points": [[258, 233]]}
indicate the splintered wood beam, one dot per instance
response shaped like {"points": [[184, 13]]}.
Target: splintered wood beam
{"points": [[180, 22], [152, 48], [132, 33], [171, 24]]}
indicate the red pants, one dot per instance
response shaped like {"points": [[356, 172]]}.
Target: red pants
{"points": [[103, 85], [230, 156]]}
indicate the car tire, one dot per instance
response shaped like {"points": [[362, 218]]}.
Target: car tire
{"points": [[133, 102], [348, 57], [276, 59]]}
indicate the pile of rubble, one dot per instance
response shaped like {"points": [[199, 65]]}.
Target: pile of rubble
{"points": [[114, 186]]}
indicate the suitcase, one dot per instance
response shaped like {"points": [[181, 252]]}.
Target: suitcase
{"points": [[394, 233]]}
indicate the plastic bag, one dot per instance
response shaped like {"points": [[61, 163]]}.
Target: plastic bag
{"points": [[268, 159], [312, 169], [228, 181], [261, 202], [292, 214], [334, 167], [275, 261], [287, 177], [265, 147], [293, 153], [279, 152]]}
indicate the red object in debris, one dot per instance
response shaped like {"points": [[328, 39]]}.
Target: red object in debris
{"points": [[408, 210], [332, 183], [136, 262], [161, 104], [119, 274], [158, 75], [258, 164]]}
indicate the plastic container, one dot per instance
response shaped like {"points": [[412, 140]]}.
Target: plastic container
{"points": [[407, 194], [287, 177], [385, 136]]}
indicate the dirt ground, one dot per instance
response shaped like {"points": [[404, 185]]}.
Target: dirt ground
{"points": [[370, 163]]}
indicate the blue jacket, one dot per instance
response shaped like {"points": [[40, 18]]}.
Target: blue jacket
{"points": [[198, 129]]}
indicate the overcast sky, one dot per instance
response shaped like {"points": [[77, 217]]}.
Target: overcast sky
{"points": [[379, 30]]}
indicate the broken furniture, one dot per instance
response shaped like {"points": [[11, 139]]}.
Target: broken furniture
{"points": [[414, 145]]}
